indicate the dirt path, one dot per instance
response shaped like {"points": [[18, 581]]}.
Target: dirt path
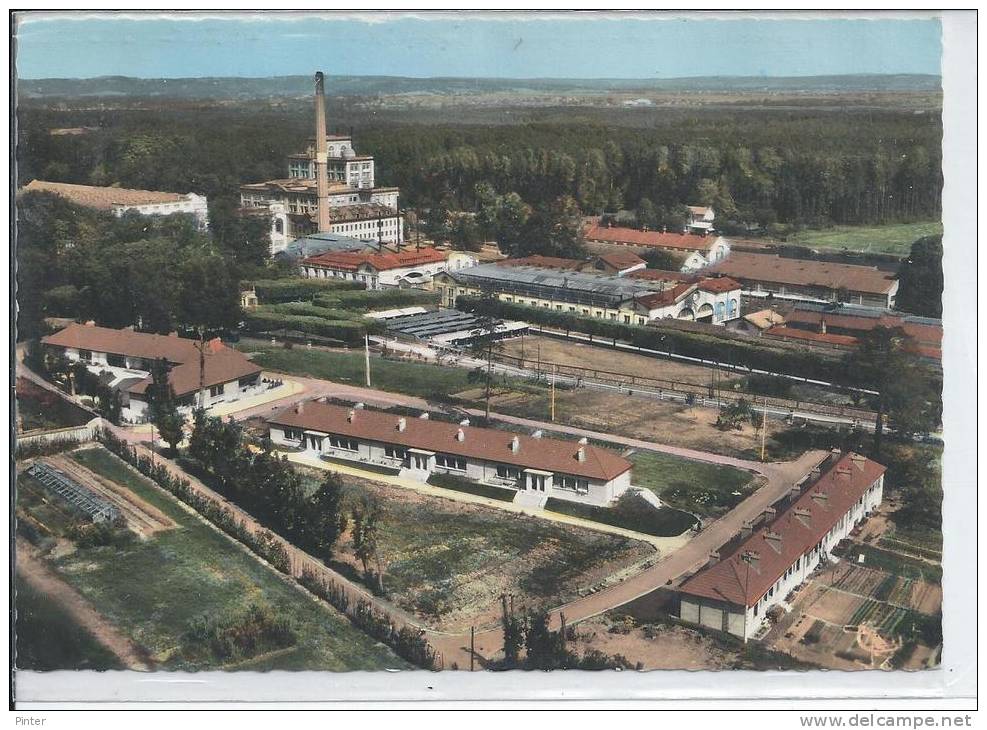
{"points": [[45, 581]]}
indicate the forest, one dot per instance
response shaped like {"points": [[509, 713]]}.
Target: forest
{"points": [[770, 167]]}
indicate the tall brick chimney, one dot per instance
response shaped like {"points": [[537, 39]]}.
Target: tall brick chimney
{"points": [[321, 154]]}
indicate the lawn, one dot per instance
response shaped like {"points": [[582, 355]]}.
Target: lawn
{"points": [[695, 486], [155, 590], [894, 238], [630, 513], [48, 638], [449, 562], [38, 408], [410, 378]]}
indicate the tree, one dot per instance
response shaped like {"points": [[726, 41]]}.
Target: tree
{"points": [[545, 648], [464, 234], [921, 280], [657, 258], [906, 392], [647, 215], [554, 229], [162, 405], [367, 516], [327, 520], [513, 633]]}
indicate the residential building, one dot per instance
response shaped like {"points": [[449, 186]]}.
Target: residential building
{"points": [[120, 200], [697, 250], [379, 270], [623, 299], [809, 281], [124, 360], [757, 323], [416, 448], [757, 570]]}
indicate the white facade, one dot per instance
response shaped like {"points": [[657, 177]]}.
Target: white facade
{"points": [[127, 368], [700, 305], [191, 204], [419, 275], [745, 622], [419, 464]]}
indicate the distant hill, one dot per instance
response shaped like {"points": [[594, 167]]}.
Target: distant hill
{"points": [[295, 86]]}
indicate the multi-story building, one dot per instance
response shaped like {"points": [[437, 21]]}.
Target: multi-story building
{"points": [[626, 299], [416, 448], [347, 203], [120, 200], [760, 567], [125, 358]]}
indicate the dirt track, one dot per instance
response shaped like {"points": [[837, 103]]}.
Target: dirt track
{"points": [[42, 579]]}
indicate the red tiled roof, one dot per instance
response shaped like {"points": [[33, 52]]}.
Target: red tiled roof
{"points": [[719, 285], [487, 444], [793, 333], [352, 260], [221, 363], [927, 334], [654, 239], [781, 541], [102, 198], [621, 259], [756, 267], [666, 297]]}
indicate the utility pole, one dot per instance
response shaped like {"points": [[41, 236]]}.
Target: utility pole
{"points": [[764, 425], [554, 373], [366, 358], [489, 365], [202, 368], [472, 646]]}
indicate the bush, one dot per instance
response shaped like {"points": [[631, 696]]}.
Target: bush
{"points": [[462, 484], [348, 331], [296, 289], [386, 299], [257, 630]]}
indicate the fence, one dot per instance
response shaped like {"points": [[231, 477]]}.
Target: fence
{"points": [[42, 441]]}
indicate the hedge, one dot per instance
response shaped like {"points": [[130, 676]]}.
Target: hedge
{"points": [[349, 331], [385, 299], [308, 309], [461, 484], [707, 346], [291, 290], [631, 512]]}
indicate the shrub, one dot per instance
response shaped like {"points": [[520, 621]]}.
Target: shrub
{"points": [[461, 484], [348, 330], [297, 289]]}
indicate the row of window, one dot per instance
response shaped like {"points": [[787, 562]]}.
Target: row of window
{"points": [[339, 442], [458, 463], [579, 486]]}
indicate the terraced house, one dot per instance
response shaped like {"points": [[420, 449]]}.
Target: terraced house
{"points": [[416, 448], [757, 570]]}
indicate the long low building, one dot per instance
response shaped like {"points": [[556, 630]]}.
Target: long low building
{"points": [[696, 250], [809, 281], [120, 200], [124, 358], [416, 448], [625, 299], [757, 571], [409, 268]]}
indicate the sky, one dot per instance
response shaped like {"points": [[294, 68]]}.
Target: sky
{"points": [[576, 46]]}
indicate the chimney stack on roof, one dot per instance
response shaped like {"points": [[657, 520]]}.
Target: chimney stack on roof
{"points": [[583, 441], [515, 445], [424, 416], [300, 407], [713, 558], [581, 454], [537, 434], [773, 539], [352, 415], [321, 154], [821, 497], [746, 529], [460, 435], [402, 424], [359, 406], [465, 422]]}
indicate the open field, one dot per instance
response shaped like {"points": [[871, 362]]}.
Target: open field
{"points": [[695, 486], [410, 378], [893, 238], [49, 638], [664, 422], [38, 408], [567, 352], [160, 590], [449, 562]]}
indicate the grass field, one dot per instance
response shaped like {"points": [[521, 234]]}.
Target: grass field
{"points": [[48, 638], [695, 486], [895, 238], [449, 562], [635, 515], [418, 379], [154, 590]]}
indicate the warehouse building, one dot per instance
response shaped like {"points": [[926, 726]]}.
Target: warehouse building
{"points": [[416, 448], [809, 281], [760, 568]]}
